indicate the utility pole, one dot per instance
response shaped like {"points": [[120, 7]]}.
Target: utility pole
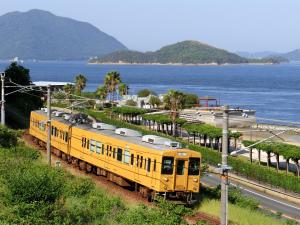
{"points": [[224, 168], [2, 100], [49, 124]]}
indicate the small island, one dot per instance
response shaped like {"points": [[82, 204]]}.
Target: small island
{"points": [[182, 53]]}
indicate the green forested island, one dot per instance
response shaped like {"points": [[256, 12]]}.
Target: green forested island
{"points": [[185, 52]]}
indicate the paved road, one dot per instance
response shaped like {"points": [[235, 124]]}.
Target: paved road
{"points": [[266, 201]]}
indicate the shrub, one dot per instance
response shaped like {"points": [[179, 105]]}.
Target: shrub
{"points": [[8, 137], [78, 186], [154, 101], [34, 182], [166, 213], [131, 102], [145, 93]]}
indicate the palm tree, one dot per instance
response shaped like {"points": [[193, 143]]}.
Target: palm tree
{"points": [[111, 81], [69, 89], [101, 92], [80, 83], [123, 89], [174, 100], [235, 136]]}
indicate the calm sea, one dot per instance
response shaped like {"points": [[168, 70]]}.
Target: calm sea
{"points": [[272, 90]]}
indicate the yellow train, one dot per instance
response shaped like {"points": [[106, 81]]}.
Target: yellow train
{"points": [[151, 164]]}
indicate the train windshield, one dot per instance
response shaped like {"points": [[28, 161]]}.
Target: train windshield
{"points": [[167, 165], [194, 164]]}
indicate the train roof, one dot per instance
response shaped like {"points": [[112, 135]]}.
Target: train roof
{"points": [[167, 144]]}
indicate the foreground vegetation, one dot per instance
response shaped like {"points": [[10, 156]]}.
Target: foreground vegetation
{"points": [[239, 215], [33, 193]]}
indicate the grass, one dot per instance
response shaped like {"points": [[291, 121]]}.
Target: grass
{"points": [[239, 215]]}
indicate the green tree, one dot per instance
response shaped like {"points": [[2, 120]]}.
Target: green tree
{"points": [[123, 89], [20, 104], [145, 93], [190, 100], [154, 101], [101, 92], [69, 89], [80, 83], [174, 100], [111, 82]]}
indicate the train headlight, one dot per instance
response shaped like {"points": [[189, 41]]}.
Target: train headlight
{"points": [[165, 187], [166, 179], [195, 189], [195, 180]]}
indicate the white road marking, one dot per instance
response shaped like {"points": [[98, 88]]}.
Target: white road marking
{"points": [[263, 196]]}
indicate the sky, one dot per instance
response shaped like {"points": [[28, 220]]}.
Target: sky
{"points": [[147, 25]]}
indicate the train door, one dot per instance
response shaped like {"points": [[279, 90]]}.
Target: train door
{"points": [[153, 172], [181, 174]]}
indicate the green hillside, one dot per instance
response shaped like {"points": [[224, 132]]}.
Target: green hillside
{"points": [[38, 34], [186, 52]]}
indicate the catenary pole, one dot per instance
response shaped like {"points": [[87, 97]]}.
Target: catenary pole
{"points": [[224, 166], [2, 100], [49, 124]]}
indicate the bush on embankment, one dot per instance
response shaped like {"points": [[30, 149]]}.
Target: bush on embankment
{"points": [[240, 166]]}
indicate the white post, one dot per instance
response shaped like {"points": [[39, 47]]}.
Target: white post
{"points": [[49, 124], [224, 176], [2, 100]]}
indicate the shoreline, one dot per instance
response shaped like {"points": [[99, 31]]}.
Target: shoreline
{"points": [[181, 64]]}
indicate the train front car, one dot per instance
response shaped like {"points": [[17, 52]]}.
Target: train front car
{"points": [[180, 174]]}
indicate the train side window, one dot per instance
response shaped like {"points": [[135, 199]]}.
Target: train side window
{"points": [[149, 165], [52, 130], [82, 142], [137, 160], [102, 149], [141, 163], [66, 137], [132, 159], [98, 147], [107, 148], [167, 165], [119, 154], [92, 145], [154, 165], [145, 163], [88, 144], [114, 153], [126, 156], [110, 151]]}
